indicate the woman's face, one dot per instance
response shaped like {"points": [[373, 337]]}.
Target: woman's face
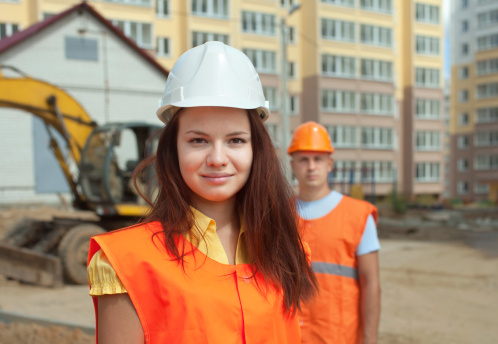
{"points": [[214, 151]]}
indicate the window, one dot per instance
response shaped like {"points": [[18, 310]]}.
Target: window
{"points": [[486, 162], [487, 18], [146, 3], [338, 30], [293, 103], [291, 35], [465, 25], [427, 45], [465, 49], [140, 33], [271, 95], [481, 188], [427, 13], [462, 165], [259, 23], [377, 138], [199, 38], [381, 171], [346, 3], [210, 8], [485, 91], [340, 66], [463, 96], [463, 119], [487, 115], [287, 3], [291, 70], [338, 101], [487, 67], [463, 142], [376, 35], [427, 109], [486, 139], [344, 171], [427, 77], [427, 172], [429, 140], [163, 46], [465, 4], [343, 136], [464, 72], [462, 187], [81, 48], [274, 132], [47, 15], [264, 61], [377, 104], [377, 5], [376, 70], [487, 42], [162, 8], [8, 29]]}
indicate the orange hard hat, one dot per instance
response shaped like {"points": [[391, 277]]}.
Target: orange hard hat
{"points": [[310, 136]]}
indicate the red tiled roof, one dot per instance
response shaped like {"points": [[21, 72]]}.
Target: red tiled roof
{"points": [[18, 37]]}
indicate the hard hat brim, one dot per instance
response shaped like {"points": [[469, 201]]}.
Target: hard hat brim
{"points": [[166, 112]]}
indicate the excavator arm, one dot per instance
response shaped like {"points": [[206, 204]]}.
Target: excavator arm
{"points": [[45, 101]]}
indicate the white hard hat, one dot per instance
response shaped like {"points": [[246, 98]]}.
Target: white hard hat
{"points": [[213, 74]]}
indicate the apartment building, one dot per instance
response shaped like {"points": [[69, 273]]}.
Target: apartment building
{"points": [[373, 76], [474, 100], [369, 70]]}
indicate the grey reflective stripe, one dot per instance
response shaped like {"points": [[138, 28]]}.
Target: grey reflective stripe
{"points": [[334, 269]]}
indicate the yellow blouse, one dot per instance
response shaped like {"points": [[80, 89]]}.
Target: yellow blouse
{"points": [[103, 278]]}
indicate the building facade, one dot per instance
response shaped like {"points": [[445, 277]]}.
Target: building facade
{"points": [[374, 77], [474, 100], [371, 71]]}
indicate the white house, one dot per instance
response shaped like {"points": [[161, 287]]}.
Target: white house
{"points": [[83, 53]]}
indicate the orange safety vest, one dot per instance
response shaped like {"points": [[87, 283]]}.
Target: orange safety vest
{"points": [[334, 315], [203, 302]]}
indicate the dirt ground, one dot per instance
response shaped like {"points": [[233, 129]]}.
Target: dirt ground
{"points": [[436, 288]]}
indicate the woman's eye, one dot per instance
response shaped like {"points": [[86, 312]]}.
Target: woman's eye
{"points": [[237, 140], [197, 140]]}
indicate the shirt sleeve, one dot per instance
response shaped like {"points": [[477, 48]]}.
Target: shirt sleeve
{"points": [[102, 277], [369, 241]]}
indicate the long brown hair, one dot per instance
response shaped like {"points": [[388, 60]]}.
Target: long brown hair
{"points": [[272, 238]]}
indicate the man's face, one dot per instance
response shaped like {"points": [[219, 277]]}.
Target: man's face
{"points": [[311, 168]]}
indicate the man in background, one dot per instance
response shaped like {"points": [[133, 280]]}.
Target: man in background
{"points": [[342, 235]]}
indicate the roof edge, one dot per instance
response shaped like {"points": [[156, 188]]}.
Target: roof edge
{"points": [[19, 37]]}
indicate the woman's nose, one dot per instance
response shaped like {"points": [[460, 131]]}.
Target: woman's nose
{"points": [[218, 155]]}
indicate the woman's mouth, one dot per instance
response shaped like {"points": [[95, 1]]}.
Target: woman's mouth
{"points": [[217, 178]]}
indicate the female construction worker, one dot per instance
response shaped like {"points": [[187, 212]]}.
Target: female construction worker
{"points": [[219, 258]]}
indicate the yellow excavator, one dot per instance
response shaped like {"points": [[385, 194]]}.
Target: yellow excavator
{"points": [[98, 169]]}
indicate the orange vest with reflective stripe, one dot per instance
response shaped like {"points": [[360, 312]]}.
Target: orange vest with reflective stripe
{"points": [[334, 315], [206, 302]]}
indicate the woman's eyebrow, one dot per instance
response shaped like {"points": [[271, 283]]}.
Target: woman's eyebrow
{"points": [[238, 133], [197, 132]]}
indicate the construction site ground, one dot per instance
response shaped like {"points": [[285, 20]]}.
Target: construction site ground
{"points": [[439, 279]]}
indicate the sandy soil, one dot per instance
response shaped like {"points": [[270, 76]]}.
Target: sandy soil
{"points": [[432, 292]]}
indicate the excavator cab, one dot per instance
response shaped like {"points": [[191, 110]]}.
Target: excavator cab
{"points": [[108, 160]]}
